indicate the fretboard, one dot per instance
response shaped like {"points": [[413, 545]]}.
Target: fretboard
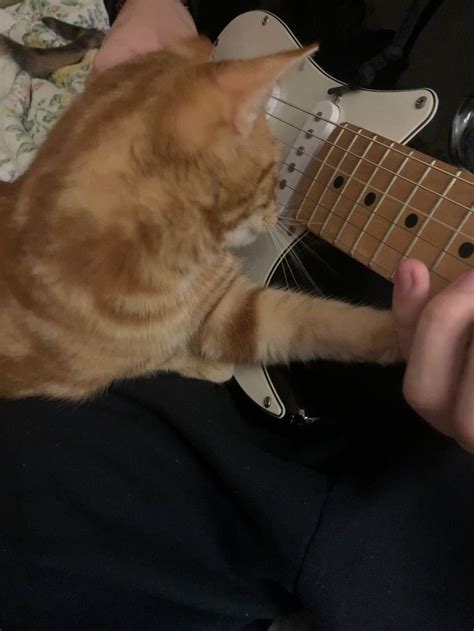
{"points": [[380, 202]]}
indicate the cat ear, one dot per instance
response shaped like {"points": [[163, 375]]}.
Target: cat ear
{"points": [[197, 49], [249, 82]]}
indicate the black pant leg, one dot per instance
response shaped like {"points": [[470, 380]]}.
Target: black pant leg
{"points": [[394, 548], [155, 507]]}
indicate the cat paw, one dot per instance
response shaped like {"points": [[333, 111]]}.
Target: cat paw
{"points": [[218, 373]]}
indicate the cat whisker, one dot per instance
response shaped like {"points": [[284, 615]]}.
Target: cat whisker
{"points": [[290, 219], [294, 257], [282, 243], [303, 269], [314, 253], [284, 223], [279, 249], [279, 235]]}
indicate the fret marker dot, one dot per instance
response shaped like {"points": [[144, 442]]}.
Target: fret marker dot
{"points": [[411, 220], [282, 184], [291, 167], [466, 250], [338, 182], [369, 199]]}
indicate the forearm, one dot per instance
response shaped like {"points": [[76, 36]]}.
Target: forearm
{"points": [[143, 26]]}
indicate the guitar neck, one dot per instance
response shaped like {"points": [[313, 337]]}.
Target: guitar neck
{"points": [[380, 202]]}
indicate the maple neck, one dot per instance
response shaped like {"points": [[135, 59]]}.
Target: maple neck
{"points": [[380, 202]]}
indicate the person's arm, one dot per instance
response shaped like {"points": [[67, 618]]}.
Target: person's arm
{"points": [[143, 26], [438, 339]]}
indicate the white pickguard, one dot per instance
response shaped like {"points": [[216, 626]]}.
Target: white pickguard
{"points": [[393, 114]]}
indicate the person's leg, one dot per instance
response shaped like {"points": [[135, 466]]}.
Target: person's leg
{"points": [[155, 507], [394, 548]]}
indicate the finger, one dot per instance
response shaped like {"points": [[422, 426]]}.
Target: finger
{"points": [[438, 353], [464, 419], [410, 295]]}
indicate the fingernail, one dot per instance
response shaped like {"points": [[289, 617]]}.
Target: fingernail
{"points": [[465, 282]]}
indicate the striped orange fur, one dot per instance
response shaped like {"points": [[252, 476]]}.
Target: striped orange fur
{"points": [[115, 256]]}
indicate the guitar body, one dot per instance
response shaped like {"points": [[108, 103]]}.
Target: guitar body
{"points": [[302, 113], [259, 33]]}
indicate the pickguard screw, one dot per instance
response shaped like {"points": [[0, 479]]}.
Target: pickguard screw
{"points": [[420, 102], [267, 401], [264, 20]]}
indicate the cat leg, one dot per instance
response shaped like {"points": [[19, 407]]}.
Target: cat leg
{"points": [[254, 324], [198, 368], [217, 372]]}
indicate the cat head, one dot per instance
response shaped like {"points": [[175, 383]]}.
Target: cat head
{"points": [[215, 113], [169, 154]]}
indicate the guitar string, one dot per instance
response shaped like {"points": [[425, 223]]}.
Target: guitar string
{"points": [[364, 232], [391, 272], [283, 223], [385, 269], [383, 193], [362, 158], [280, 242], [419, 237], [378, 142]]}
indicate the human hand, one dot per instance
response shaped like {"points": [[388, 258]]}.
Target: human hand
{"points": [[143, 26], [437, 337]]}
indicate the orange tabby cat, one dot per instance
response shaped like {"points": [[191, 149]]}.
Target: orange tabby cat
{"points": [[115, 255]]}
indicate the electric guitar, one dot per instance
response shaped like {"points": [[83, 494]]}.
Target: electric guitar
{"points": [[347, 179]]}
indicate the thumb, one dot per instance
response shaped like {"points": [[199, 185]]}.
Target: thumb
{"points": [[410, 295]]}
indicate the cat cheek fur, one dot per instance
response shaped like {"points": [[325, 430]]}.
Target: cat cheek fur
{"points": [[248, 231], [243, 235]]}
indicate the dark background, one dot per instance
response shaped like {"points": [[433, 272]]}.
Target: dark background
{"points": [[439, 55]]}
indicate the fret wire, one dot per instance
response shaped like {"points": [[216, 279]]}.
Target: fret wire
{"points": [[296, 107], [359, 162], [451, 240], [382, 198], [363, 230], [383, 243], [391, 247], [323, 162], [355, 226], [359, 197], [402, 177], [373, 215], [430, 216], [345, 185], [384, 268], [394, 173]]}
